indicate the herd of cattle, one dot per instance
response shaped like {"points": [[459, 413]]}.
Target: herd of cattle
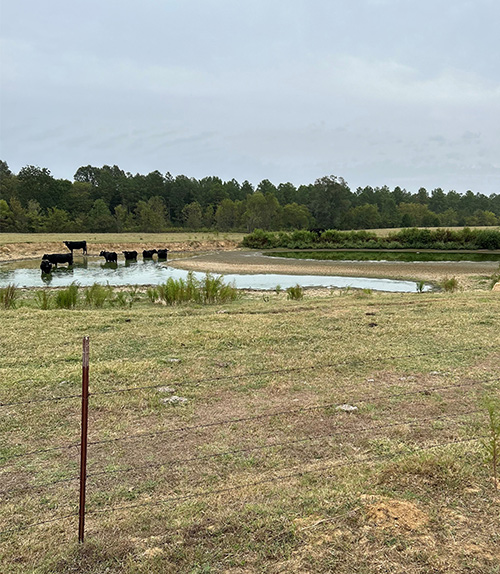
{"points": [[51, 260]]}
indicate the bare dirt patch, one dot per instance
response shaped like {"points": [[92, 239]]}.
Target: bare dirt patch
{"points": [[400, 514]]}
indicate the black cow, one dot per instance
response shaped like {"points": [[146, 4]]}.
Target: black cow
{"points": [[76, 245], [162, 254], [46, 266], [110, 256], [130, 255], [318, 230], [148, 254], [56, 258]]}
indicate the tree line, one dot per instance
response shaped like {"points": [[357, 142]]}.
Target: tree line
{"points": [[107, 199]]}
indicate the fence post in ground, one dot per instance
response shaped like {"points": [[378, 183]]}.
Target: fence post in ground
{"points": [[83, 443]]}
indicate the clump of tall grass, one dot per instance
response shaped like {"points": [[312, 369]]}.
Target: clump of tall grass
{"points": [[450, 284], [121, 299], [43, 299], [207, 291], [295, 293], [134, 294], [152, 293], [8, 296], [96, 295], [67, 298]]}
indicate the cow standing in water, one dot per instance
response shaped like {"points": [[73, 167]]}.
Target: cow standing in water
{"points": [[56, 258], [46, 266], [130, 255], [109, 256], [162, 254], [76, 245], [148, 254]]}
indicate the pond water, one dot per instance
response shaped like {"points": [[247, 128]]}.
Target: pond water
{"points": [[379, 256], [86, 272]]}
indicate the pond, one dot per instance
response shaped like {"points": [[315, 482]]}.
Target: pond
{"points": [[87, 271], [380, 256]]}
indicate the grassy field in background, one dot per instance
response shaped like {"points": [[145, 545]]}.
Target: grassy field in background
{"points": [[258, 471], [153, 238], [172, 237]]}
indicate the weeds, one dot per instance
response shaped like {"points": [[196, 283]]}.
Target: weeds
{"points": [[295, 293], [8, 296], [120, 299], [152, 294], [420, 286], [97, 295], [43, 299], [133, 295], [67, 298], [450, 285], [207, 291]]}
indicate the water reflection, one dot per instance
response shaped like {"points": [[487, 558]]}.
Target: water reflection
{"points": [[87, 272]]}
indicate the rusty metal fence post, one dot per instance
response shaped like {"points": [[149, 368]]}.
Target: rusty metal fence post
{"points": [[83, 443]]}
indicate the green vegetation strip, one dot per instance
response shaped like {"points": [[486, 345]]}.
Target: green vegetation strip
{"points": [[411, 238]]}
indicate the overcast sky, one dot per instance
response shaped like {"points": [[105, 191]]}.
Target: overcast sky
{"points": [[379, 92]]}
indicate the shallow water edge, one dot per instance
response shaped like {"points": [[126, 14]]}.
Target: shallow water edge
{"points": [[87, 271]]}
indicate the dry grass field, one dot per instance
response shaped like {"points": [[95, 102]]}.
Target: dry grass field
{"points": [[258, 469]]}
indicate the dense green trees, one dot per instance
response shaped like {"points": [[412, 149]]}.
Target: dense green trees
{"points": [[106, 199]]}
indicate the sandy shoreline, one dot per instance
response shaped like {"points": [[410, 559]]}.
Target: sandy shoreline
{"points": [[466, 272]]}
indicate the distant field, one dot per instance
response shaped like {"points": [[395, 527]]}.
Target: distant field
{"points": [[173, 237], [180, 237], [258, 471]]}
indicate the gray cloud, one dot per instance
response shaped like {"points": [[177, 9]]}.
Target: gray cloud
{"points": [[377, 91]]}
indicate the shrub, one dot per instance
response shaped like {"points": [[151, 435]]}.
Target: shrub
{"points": [[67, 298], [295, 293], [420, 286], [8, 296], [260, 239], [488, 239]]}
